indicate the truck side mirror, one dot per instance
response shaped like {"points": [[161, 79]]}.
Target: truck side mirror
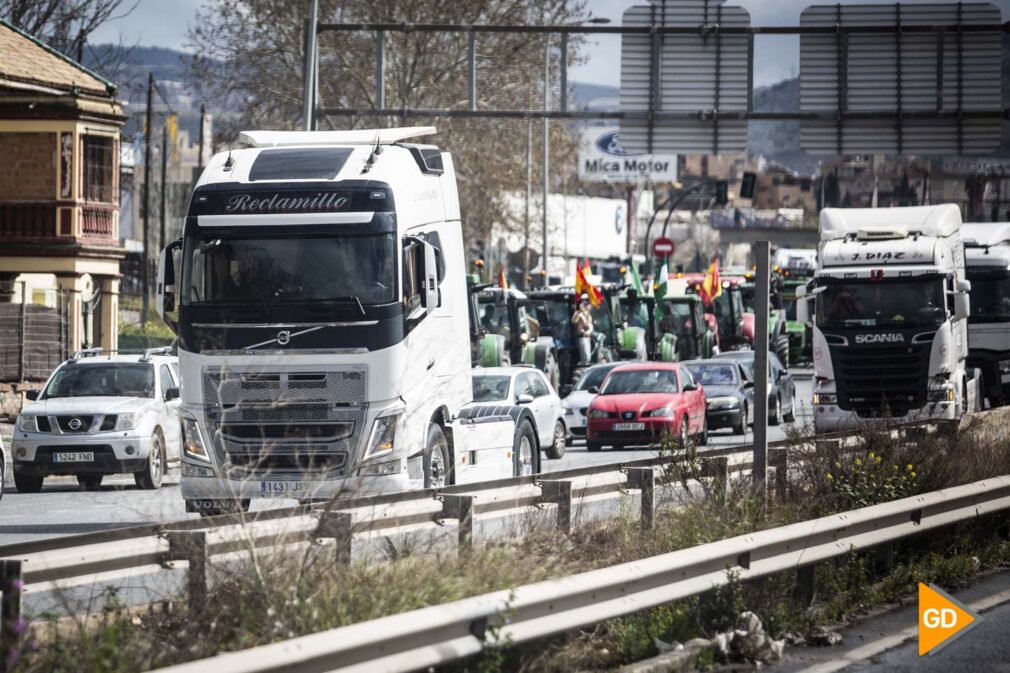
{"points": [[165, 300], [962, 305], [430, 279], [963, 286]]}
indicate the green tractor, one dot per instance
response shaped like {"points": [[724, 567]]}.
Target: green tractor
{"points": [[553, 309], [778, 328], [504, 333], [676, 331], [800, 337]]}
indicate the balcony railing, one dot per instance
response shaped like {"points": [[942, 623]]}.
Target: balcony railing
{"points": [[97, 221], [27, 220]]}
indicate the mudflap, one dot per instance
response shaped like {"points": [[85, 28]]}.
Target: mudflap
{"points": [[492, 351]]}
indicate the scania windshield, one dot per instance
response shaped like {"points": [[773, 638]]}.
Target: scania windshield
{"points": [[882, 303], [289, 269], [990, 296]]}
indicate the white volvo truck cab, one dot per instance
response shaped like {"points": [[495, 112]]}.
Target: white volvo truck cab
{"points": [[890, 309], [322, 314], [987, 265]]}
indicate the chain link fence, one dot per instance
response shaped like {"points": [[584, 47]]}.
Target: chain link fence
{"points": [[34, 327]]}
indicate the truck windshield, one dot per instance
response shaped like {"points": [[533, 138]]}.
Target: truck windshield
{"points": [[288, 269], [990, 297], [867, 303]]}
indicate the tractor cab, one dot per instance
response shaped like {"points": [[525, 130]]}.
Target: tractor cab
{"points": [[553, 309], [727, 309]]}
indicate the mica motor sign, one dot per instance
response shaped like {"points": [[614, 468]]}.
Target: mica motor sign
{"points": [[602, 159]]}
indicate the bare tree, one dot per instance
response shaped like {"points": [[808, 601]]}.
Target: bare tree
{"points": [[65, 25], [249, 57]]}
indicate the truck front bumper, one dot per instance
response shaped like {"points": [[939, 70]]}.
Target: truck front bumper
{"points": [[831, 418]]}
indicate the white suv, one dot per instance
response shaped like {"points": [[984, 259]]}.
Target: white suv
{"points": [[101, 412]]}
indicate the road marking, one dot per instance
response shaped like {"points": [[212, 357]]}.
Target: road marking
{"points": [[864, 652]]}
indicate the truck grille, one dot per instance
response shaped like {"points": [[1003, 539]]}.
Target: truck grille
{"points": [[286, 423], [881, 380]]}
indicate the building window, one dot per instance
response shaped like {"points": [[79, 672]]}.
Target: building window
{"points": [[99, 169]]}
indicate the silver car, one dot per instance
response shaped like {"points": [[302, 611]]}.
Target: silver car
{"points": [[577, 400], [98, 414], [528, 387]]}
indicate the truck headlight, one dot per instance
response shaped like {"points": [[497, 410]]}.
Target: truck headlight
{"points": [[941, 395], [723, 402], [27, 424], [192, 440], [127, 421], [380, 439], [825, 398]]}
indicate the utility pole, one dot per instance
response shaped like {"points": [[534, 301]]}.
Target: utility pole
{"points": [[164, 174], [145, 281], [547, 151], [529, 198], [759, 464], [203, 120], [310, 62]]}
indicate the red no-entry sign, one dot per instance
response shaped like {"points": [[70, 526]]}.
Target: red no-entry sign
{"points": [[663, 247]]}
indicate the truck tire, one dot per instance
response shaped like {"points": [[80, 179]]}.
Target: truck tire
{"points": [[435, 459], [525, 452], [556, 451], [27, 483], [151, 476]]}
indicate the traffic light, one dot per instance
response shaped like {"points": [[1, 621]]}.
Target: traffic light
{"points": [[721, 192], [747, 185]]}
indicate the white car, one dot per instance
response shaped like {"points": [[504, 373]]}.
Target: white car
{"points": [[528, 387], [576, 402], [100, 413]]}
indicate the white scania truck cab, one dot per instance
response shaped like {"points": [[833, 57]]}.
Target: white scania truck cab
{"points": [[987, 265], [322, 314], [890, 317]]}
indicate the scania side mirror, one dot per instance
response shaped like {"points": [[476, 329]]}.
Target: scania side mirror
{"points": [[962, 305], [165, 300]]}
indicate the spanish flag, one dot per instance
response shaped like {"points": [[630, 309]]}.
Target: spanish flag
{"points": [[584, 286], [711, 286]]}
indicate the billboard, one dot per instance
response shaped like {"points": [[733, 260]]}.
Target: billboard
{"points": [[602, 159]]}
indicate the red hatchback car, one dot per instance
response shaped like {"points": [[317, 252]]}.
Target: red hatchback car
{"points": [[637, 402]]}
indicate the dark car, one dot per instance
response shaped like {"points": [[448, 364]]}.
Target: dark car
{"points": [[781, 386], [729, 392]]}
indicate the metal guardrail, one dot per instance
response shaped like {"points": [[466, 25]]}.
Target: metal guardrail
{"points": [[445, 633]]}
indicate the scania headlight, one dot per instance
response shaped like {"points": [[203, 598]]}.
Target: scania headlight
{"points": [[192, 440], [723, 402], [662, 412], [380, 440], [599, 413], [825, 398], [127, 421], [27, 423]]}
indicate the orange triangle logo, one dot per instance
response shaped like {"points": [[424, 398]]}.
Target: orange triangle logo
{"points": [[941, 619]]}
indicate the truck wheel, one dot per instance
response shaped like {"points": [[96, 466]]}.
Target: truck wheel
{"points": [[524, 451], [556, 451], [27, 483], [150, 477], [90, 482], [436, 458]]}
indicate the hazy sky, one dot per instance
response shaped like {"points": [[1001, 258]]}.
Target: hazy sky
{"points": [[164, 23]]}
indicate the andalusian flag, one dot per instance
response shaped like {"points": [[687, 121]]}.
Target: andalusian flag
{"points": [[503, 282], [662, 281], [636, 280], [711, 286]]}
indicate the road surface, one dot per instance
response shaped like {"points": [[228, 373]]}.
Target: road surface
{"points": [[63, 509]]}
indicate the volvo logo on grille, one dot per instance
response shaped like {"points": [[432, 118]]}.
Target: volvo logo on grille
{"points": [[283, 337], [75, 424], [627, 415]]}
